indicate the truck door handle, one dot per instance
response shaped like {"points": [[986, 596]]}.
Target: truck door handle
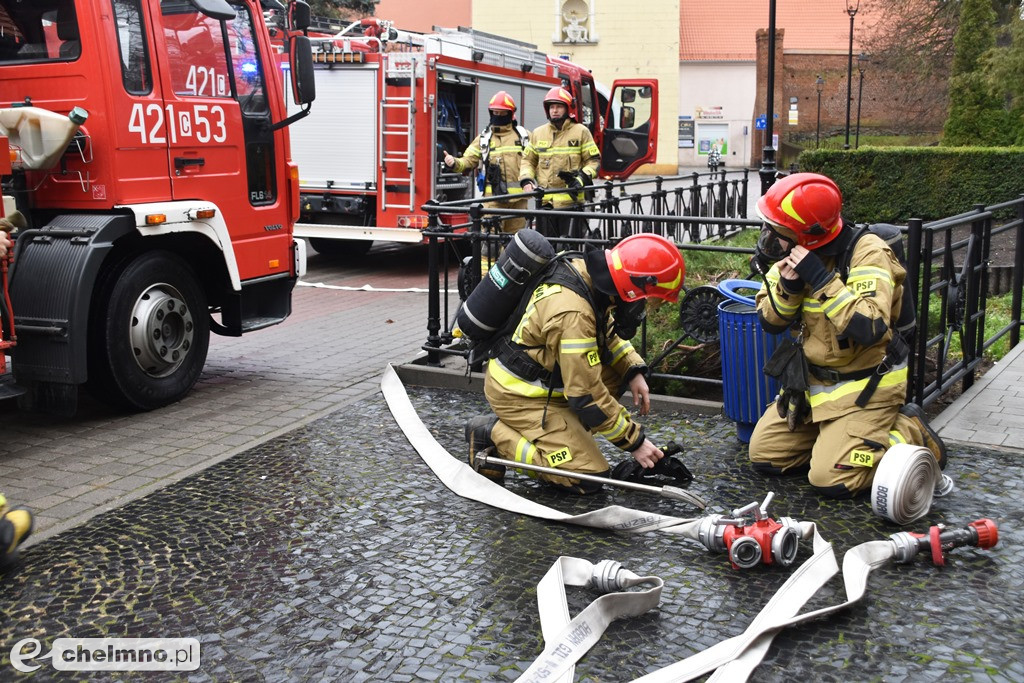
{"points": [[182, 162]]}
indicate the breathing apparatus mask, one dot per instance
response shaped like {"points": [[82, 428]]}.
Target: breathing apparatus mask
{"points": [[629, 316], [500, 118], [773, 244]]}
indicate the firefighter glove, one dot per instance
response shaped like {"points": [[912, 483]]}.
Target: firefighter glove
{"points": [[667, 471], [813, 271], [793, 407], [574, 180]]}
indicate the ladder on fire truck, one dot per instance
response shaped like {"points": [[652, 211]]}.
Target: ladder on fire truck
{"points": [[396, 139]]}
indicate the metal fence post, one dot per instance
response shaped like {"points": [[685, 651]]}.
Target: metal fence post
{"points": [[916, 362], [433, 292], [971, 347], [1018, 275]]}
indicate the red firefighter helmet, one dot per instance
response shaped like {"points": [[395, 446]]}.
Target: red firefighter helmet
{"points": [[807, 205], [502, 101], [646, 265], [559, 95]]}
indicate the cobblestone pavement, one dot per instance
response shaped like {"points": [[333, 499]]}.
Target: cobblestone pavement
{"points": [[253, 388], [333, 553]]}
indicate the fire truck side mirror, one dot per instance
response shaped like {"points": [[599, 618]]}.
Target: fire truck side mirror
{"points": [[216, 9], [298, 16], [301, 60]]}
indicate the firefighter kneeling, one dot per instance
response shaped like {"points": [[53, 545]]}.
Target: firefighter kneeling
{"points": [[843, 367], [15, 526], [554, 380]]}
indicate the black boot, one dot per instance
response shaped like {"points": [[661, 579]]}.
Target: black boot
{"points": [[478, 436], [932, 441]]}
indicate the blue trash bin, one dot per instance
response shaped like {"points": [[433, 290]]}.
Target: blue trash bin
{"points": [[745, 347]]}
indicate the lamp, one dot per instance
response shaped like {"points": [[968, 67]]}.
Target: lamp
{"points": [[862, 62], [851, 8], [819, 85], [767, 170]]}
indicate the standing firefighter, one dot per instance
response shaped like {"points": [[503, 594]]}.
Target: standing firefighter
{"points": [[562, 158], [499, 151], [841, 414], [554, 381]]}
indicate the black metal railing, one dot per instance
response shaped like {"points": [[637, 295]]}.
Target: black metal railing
{"points": [[948, 268], [947, 265]]}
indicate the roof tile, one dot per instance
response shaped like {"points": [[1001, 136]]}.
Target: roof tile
{"points": [[726, 30]]}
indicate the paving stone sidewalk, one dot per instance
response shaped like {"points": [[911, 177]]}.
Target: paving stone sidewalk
{"points": [[991, 412], [253, 388]]}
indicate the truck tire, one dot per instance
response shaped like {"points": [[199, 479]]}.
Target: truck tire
{"points": [[149, 334]]}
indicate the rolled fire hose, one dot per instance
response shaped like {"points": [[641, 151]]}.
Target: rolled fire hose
{"points": [[731, 659], [905, 481]]}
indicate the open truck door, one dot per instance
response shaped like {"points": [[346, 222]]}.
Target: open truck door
{"points": [[631, 127]]}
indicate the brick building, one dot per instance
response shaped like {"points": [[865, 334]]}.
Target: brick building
{"points": [[710, 57]]}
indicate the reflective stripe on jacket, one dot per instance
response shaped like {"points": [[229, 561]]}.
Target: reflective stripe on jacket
{"points": [[552, 150], [558, 326], [870, 299], [506, 145]]}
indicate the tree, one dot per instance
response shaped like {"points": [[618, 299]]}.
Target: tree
{"points": [[911, 42], [333, 8], [1004, 65], [976, 116]]}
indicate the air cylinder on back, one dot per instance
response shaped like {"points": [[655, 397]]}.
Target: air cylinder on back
{"points": [[492, 301]]}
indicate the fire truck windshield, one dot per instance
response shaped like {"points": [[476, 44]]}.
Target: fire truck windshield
{"points": [[40, 31]]}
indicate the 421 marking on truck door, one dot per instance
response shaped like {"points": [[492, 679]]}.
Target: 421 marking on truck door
{"points": [[153, 122]]}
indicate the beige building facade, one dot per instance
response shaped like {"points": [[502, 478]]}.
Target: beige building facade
{"points": [[613, 38]]}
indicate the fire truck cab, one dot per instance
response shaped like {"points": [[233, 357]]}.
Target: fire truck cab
{"points": [[151, 165], [391, 103]]}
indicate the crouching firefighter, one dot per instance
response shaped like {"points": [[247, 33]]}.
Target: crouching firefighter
{"points": [[843, 366], [556, 370]]}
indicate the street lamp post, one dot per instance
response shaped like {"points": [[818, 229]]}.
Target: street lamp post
{"points": [[767, 170], [819, 85], [862, 62], [851, 8]]}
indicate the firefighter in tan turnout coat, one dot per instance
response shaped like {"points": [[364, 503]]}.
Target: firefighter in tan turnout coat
{"points": [[854, 407], [554, 383], [562, 158], [499, 149]]}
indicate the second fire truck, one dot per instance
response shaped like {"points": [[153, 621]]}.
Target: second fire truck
{"points": [[390, 103]]}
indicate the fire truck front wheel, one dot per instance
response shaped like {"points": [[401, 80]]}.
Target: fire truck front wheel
{"points": [[151, 335]]}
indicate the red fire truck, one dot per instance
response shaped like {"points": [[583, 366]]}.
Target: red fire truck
{"points": [[391, 102], [151, 169]]}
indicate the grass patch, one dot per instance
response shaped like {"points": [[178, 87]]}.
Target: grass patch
{"points": [[998, 314]]}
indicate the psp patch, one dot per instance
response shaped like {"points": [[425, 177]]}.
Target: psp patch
{"points": [[594, 358], [865, 287], [559, 457], [861, 458]]}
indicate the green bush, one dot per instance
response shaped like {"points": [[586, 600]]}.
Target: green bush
{"points": [[894, 184]]}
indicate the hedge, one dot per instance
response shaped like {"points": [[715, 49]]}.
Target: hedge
{"points": [[893, 184]]}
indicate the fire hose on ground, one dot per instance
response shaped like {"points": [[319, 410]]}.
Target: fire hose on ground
{"points": [[763, 540]]}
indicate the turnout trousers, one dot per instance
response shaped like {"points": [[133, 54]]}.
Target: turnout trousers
{"points": [[842, 453], [561, 442]]}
